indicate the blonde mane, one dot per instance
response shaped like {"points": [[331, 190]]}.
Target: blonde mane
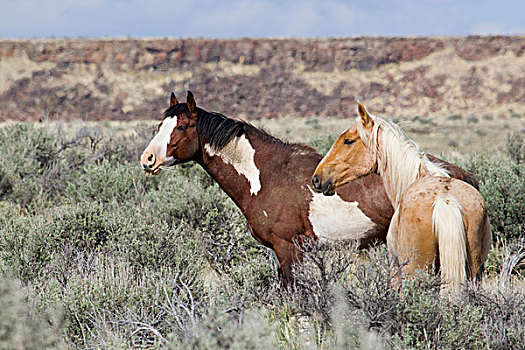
{"points": [[398, 157]]}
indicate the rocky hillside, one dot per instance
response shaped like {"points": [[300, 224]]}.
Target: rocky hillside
{"points": [[125, 79]]}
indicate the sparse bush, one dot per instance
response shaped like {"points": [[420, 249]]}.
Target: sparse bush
{"points": [[452, 143], [412, 317], [113, 300], [514, 114], [472, 120], [219, 330], [21, 325], [515, 147], [502, 319], [322, 144], [455, 117], [30, 172], [322, 268], [502, 184], [481, 132]]}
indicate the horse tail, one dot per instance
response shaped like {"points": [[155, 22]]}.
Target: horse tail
{"points": [[449, 230]]}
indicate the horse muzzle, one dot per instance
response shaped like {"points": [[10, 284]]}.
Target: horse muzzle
{"points": [[326, 188], [151, 163]]}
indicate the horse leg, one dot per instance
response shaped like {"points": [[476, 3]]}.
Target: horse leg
{"points": [[415, 244], [401, 256], [287, 254], [279, 261], [486, 242], [479, 240]]}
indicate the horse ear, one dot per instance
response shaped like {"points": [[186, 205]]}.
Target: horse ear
{"points": [[363, 113], [173, 100], [190, 102]]}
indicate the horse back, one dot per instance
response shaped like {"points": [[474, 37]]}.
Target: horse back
{"points": [[456, 171]]}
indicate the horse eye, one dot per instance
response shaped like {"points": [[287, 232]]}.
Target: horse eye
{"points": [[181, 128], [348, 141]]}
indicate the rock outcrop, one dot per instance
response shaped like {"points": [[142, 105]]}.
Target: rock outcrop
{"points": [[124, 79]]}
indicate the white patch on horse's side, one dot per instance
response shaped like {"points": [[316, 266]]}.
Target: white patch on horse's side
{"points": [[334, 219], [160, 142], [241, 155], [265, 213]]}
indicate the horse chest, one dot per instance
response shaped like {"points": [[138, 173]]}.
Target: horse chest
{"points": [[334, 219]]}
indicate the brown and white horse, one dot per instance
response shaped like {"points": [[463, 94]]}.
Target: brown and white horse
{"points": [[269, 180], [438, 220]]}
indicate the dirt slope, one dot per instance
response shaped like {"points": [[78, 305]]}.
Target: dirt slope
{"points": [[126, 79]]}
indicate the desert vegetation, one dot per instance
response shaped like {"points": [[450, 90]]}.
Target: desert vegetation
{"points": [[95, 254]]}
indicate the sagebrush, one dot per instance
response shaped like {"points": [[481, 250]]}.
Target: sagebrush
{"points": [[95, 254]]}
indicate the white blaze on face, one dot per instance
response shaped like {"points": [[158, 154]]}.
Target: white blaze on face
{"points": [[159, 144], [241, 155], [334, 219]]}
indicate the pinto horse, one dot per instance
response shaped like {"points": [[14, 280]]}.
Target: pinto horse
{"points": [[268, 179], [438, 220]]}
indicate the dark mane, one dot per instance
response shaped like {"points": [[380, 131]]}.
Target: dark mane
{"points": [[217, 130], [175, 110], [214, 128]]}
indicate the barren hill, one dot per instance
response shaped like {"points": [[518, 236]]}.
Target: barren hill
{"points": [[125, 79]]}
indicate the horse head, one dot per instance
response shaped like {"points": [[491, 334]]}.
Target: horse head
{"points": [[176, 140], [349, 157]]}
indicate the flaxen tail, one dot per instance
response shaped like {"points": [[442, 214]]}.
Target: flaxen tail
{"points": [[448, 227]]}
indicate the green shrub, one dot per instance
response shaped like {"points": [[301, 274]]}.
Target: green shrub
{"points": [[452, 143], [219, 330], [515, 147], [514, 114], [502, 184], [455, 117], [112, 299], [105, 183], [179, 199], [322, 144], [472, 120], [30, 173], [21, 325]]}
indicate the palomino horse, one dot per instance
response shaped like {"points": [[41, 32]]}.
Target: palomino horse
{"points": [[437, 220], [268, 179]]}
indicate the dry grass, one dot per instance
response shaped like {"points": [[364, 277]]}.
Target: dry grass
{"points": [[449, 136]]}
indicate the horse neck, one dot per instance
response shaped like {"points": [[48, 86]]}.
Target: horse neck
{"points": [[233, 168], [401, 163]]}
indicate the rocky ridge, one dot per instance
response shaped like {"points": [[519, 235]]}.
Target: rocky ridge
{"points": [[127, 79]]}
